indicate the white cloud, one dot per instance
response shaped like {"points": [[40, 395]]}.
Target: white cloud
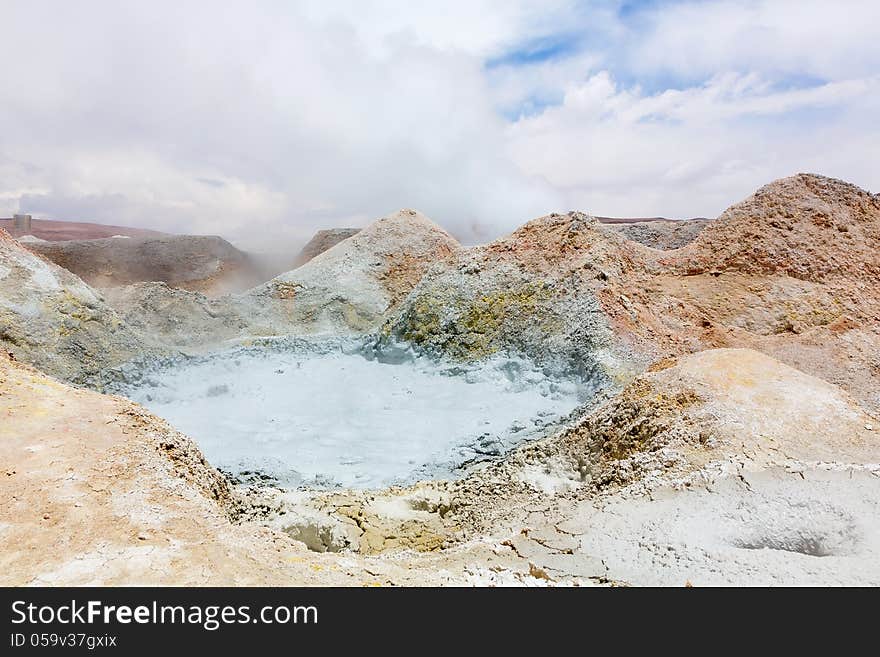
{"points": [[306, 123], [474, 27], [823, 38], [693, 152], [284, 117]]}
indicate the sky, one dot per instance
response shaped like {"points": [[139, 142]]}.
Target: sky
{"points": [[263, 121]]}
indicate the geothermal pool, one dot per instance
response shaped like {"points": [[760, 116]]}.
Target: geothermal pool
{"points": [[345, 415]]}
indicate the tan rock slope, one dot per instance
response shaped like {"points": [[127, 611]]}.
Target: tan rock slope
{"points": [[808, 227], [791, 271], [722, 404]]}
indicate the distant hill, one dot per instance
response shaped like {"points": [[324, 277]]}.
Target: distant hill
{"points": [[56, 231], [203, 263], [323, 240]]}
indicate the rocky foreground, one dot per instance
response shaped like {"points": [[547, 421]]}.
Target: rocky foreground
{"points": [[734, 438]]}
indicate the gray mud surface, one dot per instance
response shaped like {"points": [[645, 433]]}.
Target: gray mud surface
{"points": [[339, 413]]}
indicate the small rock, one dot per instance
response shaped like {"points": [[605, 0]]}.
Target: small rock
{"points": [[869, 427], [45, 516], [539, 573]]}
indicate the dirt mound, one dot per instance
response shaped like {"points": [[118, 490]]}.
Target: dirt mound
{"points": [[205, 263], [323, 240], [733, 406], [50, 318], [661, 234], [534, 292], [53, 231], [722, 403], [735, 469], [790, 271], [353, 285], [807, 226]]}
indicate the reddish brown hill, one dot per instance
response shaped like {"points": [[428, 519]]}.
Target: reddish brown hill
{"points": [[806, 226], [791, 271], [55, 231]]}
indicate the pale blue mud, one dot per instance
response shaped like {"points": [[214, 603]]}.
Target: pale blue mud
{"points": [[343, 414]]}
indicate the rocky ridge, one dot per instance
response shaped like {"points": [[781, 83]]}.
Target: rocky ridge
{"points": [[733, 438], [568, 286]]}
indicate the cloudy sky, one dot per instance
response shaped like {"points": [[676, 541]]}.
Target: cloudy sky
{"points": [[276, 118]]}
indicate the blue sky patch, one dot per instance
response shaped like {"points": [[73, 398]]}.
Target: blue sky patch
{"points": [[541, 50], [531, 106]]}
